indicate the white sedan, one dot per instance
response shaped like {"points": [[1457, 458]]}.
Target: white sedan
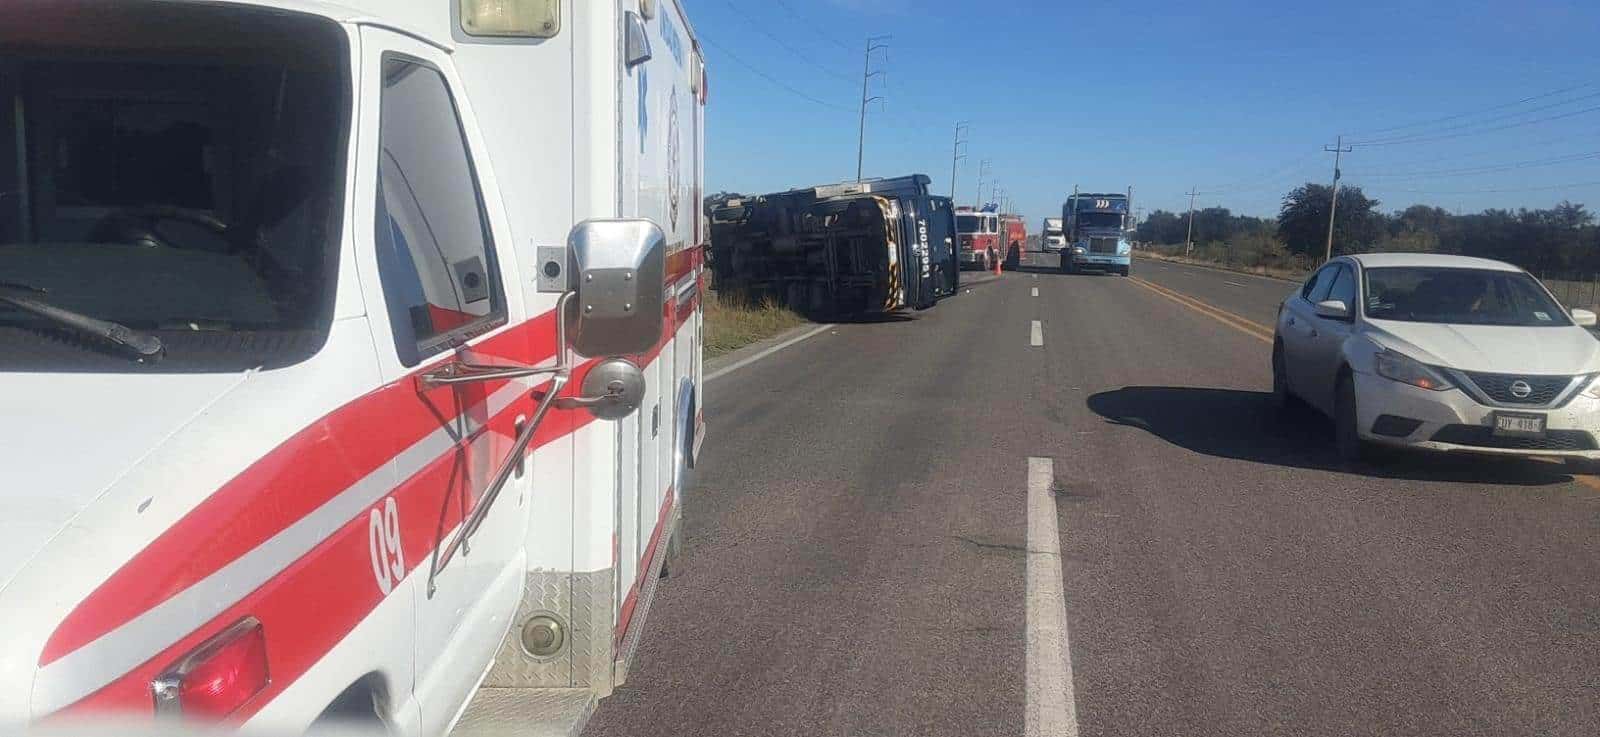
{"points": [[1443, 353]]}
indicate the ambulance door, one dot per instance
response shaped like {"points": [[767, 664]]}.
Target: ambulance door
{"points": [[436, 260]]}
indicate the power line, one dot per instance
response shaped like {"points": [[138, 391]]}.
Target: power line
{"points": [[1508, 126], [1488, 168], [1257, 182], [825, 36], [1547, 188], [1519, 146], [1459, 126], [1458, 116], [775, 81], [792, 50]]}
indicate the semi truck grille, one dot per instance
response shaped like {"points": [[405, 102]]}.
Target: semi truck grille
{"points": [[1505, 388], [1103, 245]]}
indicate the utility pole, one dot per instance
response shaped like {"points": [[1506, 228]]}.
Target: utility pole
{"points": [[1188, 240], [866, 76], [977, 199], [1338, 150], [955, 156]]}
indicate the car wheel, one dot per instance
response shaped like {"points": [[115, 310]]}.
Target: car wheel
{"points": [[1281, 396], [1347, 438]]}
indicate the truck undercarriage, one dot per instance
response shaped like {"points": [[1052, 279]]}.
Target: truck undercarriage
{"points": [[816, 256]]}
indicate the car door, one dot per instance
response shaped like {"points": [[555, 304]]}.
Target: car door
{"points": [[437, 257], [1326, 337], [1295, 327]]}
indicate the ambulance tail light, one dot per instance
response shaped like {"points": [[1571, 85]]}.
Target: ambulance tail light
{"points": [[216, 678]]}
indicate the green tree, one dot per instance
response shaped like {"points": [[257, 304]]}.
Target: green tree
{"points": [[1303, 220]]}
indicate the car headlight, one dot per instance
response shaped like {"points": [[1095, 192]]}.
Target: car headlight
{"points": [[1399, 367], [1079, 250], [1592, 391]]}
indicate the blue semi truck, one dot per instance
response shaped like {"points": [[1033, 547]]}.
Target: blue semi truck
{"points": [[1097, 228]]}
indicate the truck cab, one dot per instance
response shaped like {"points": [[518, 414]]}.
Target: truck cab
{"points": [[1051, 237], [1097, 233], [979, 237]]}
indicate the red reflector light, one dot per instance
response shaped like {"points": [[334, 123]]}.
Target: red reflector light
{"points": [[218, 677]]}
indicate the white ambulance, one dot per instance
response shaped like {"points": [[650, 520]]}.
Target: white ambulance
{"points": [[349, 355]]}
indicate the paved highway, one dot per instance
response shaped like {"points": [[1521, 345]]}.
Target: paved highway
{"points": [[898, 528]]}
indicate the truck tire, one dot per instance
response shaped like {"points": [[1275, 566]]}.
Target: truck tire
{"points": [[1124, 270]]}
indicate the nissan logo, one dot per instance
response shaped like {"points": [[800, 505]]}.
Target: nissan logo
{"points": [[1521, 389]]}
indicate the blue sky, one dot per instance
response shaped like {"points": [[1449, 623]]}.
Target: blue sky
{"points": [[1234, 97]]}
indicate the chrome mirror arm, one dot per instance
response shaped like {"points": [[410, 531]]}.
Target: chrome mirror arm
{"points": [[465, 372]]}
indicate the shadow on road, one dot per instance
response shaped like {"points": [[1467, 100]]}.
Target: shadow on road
{"points": [[1243, 425], [865, 318]]}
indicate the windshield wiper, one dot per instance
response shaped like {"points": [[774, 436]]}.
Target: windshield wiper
{"points": [[142, 346]]}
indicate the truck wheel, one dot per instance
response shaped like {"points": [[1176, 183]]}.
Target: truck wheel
{"points": [[1124, 270]]}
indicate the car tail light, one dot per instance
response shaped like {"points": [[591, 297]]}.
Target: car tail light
{"points": [[218, 677]]}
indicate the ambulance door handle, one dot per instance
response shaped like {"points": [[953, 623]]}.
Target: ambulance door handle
{"points": [[521, 424]]}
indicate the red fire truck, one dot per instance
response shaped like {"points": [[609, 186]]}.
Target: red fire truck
{"points": [[1013, 236], [979, 234]]}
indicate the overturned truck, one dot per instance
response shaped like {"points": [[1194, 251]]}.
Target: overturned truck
{"points": [[876, 246]]}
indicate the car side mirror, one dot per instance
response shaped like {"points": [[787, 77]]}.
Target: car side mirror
{"points": [[1584, 318], [617, 270], [1334, 309]]}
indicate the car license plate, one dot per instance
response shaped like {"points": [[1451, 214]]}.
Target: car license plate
{"points": [[1518, 426]]}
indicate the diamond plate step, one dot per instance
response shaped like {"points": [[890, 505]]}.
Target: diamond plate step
{"points": [[526, 712]]}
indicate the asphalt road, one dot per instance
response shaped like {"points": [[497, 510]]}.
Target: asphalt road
{"points": [[857, 549]]}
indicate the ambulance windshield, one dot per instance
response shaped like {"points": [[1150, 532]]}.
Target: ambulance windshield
{"points": [[186, 191]]}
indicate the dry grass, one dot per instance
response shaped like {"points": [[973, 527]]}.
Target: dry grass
{"points": [[1279, 273], [733, 324]]}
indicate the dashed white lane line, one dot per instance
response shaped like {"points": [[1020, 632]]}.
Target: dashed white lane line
{"points": [[1036, 337], [1233, 284], [1049, 702], [1035, 291], [725, 370]]}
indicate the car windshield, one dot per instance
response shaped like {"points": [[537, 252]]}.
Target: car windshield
{"points": [[974, 224], [193, 197], [1460, 297]]}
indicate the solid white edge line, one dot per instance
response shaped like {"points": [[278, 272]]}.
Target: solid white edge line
{"points": [[1049, 702], [1035, 291], [1036, 336], [743, 362]]}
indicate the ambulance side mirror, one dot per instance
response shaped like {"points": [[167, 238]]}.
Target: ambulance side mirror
{"points": [[616, 273]]}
